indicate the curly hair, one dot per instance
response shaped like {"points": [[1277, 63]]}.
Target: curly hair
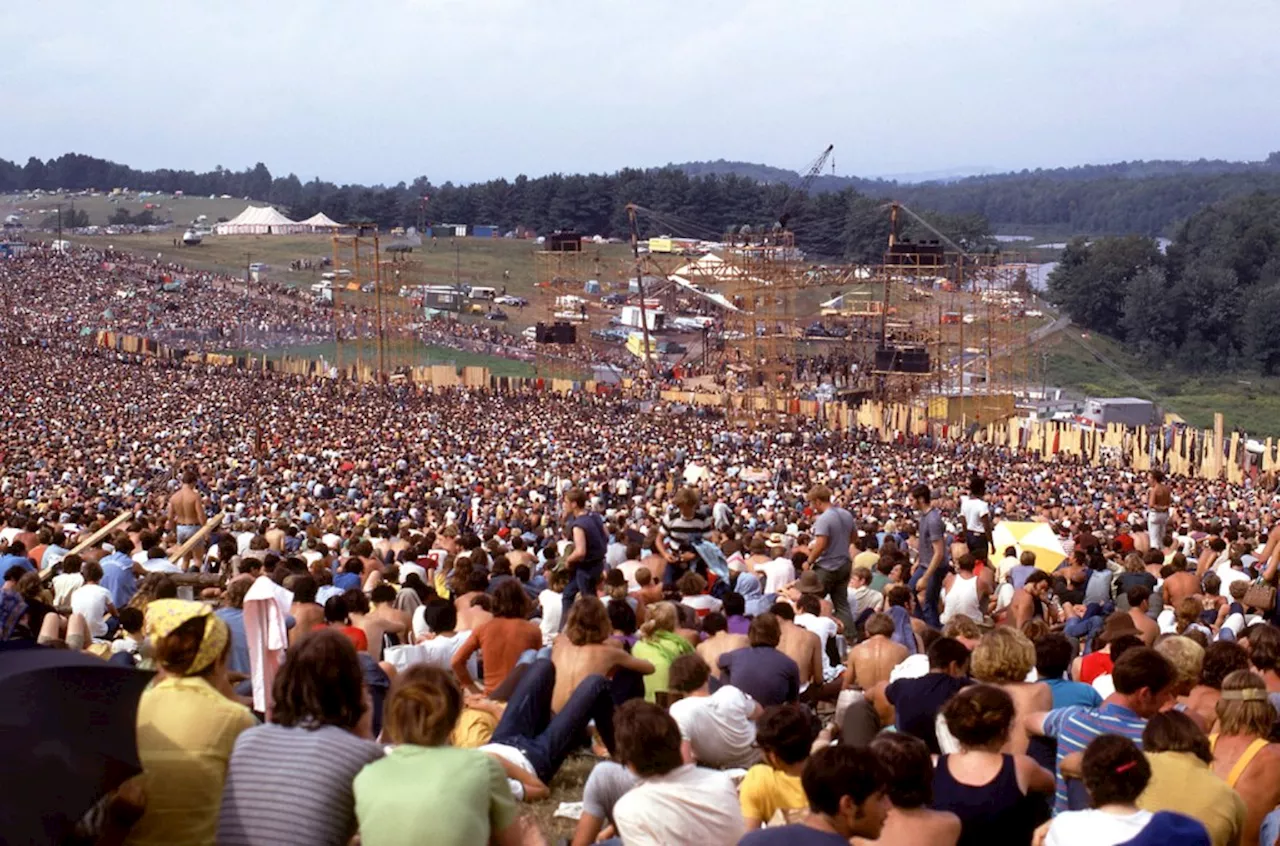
{"points": [[1115, 771], [588, 622]]}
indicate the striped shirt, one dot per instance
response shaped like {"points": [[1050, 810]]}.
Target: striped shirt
{"points": [[687, 530], [292, 785], [1075, 727]]}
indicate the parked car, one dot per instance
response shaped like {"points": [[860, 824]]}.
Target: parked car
{"points": [[496, 314], [508, 300], [614, 299]]}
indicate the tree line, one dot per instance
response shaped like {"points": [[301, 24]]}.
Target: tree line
{"points": [[845, 224], [1211, 301], [841, 217]]}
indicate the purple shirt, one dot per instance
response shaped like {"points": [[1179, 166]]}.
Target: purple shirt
{"points": [[739, 625]]}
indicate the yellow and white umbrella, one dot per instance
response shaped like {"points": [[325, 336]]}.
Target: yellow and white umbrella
{"points": [[1030, 537]]}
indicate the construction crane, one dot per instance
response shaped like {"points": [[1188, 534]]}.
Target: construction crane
{"points": [[802, 189]]}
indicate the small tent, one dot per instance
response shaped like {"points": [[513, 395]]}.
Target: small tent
{"points": [[260, 220], [321, 222]]}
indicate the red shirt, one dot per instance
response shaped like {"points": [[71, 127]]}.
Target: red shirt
{"points": [[1093, 665]]}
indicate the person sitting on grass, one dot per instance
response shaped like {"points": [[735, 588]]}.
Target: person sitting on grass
{"points": [[845, 788], [771, 792]]}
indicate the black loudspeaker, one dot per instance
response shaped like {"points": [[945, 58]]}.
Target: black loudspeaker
{"points": [[564, 333], [555, 333], [902, 360]]}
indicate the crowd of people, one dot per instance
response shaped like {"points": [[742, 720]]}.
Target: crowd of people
{"points": [[365, 604]]}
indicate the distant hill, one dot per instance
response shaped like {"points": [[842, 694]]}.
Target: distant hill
{"points": [[1080, 173]]}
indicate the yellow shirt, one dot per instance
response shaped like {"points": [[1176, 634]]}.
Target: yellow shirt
{"points": [[765, 792], [1182, 783], [186, 730], [474, 729]]}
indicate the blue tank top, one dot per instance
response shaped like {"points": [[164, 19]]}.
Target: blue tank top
{"points": [[997, 813]]}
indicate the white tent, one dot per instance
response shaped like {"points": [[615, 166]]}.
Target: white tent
{"points": [[321, 222], [260, 220]]}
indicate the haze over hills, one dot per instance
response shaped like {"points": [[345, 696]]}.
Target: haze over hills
{"points": [[1080, 173]]}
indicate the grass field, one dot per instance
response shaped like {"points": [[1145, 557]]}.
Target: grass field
{"points": [[1246, 400], [182, 210]]}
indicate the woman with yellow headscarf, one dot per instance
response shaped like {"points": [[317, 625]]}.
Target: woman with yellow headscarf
{"points": [[187, 725]]}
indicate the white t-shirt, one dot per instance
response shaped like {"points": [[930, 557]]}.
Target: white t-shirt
{"points": [[408, 567], [973, 510], [1230, 576], [690, 804], [63, 585], [1094, 827], [704, 603], [90, 602], [911, 667], [778, 573], [434, 652], [825, 629], [552, 609], [719, 727], [1104, 684]]}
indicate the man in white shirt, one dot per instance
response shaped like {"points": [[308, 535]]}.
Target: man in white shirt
{"points": [[93, 602], [66, 582], [779, 571], [977, 520], [809, 616], [716, 729], [1230, 571], [674, 802]]}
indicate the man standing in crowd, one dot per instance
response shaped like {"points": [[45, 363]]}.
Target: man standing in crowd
{"points": [[931, 563], [829, 552], [586, 561]]}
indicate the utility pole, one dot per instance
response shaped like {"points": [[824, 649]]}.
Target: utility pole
{"points": [[244, 327], [59, 226], [644, 315], [457, 266], [377, 298]]}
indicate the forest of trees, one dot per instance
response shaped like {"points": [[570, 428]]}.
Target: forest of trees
{"points": [[1212, 301], [843, 224], [841, 218]]}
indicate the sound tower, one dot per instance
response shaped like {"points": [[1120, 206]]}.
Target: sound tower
{"points": [[559, 332], [902, 360]]}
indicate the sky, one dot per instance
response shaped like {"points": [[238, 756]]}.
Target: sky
{"points": [[380, 91]]}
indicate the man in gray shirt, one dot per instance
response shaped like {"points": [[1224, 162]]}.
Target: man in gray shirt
{"points": [[931, 561], [829, 552]]}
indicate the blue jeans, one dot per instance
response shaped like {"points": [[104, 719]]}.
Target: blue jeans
{"points": [[1086, 628], [583, 582], [545, 740], [928, 610]]}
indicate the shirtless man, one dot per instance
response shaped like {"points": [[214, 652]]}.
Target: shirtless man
{"points": [[307, 614], [718, 641], [871, 661], [375, 621], [275, 536], [1179, 586], [1139, 597], [1159, 498], [186, 515], [1030, 601], [585, 648], [800, 645], [470, 616]]}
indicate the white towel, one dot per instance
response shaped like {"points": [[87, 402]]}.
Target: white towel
{"points": [[266, 606]]}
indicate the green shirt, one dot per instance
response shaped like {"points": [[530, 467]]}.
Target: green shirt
{"points": [[438, 795]]}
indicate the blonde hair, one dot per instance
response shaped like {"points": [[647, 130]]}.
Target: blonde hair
{"points": [[962, 626], [1187, 658], [662, 616], [1251, 716], [1003, 656], [423, 707]]}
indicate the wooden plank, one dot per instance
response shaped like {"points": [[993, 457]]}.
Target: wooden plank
{"points": [[181, 552], [101, 533]]}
